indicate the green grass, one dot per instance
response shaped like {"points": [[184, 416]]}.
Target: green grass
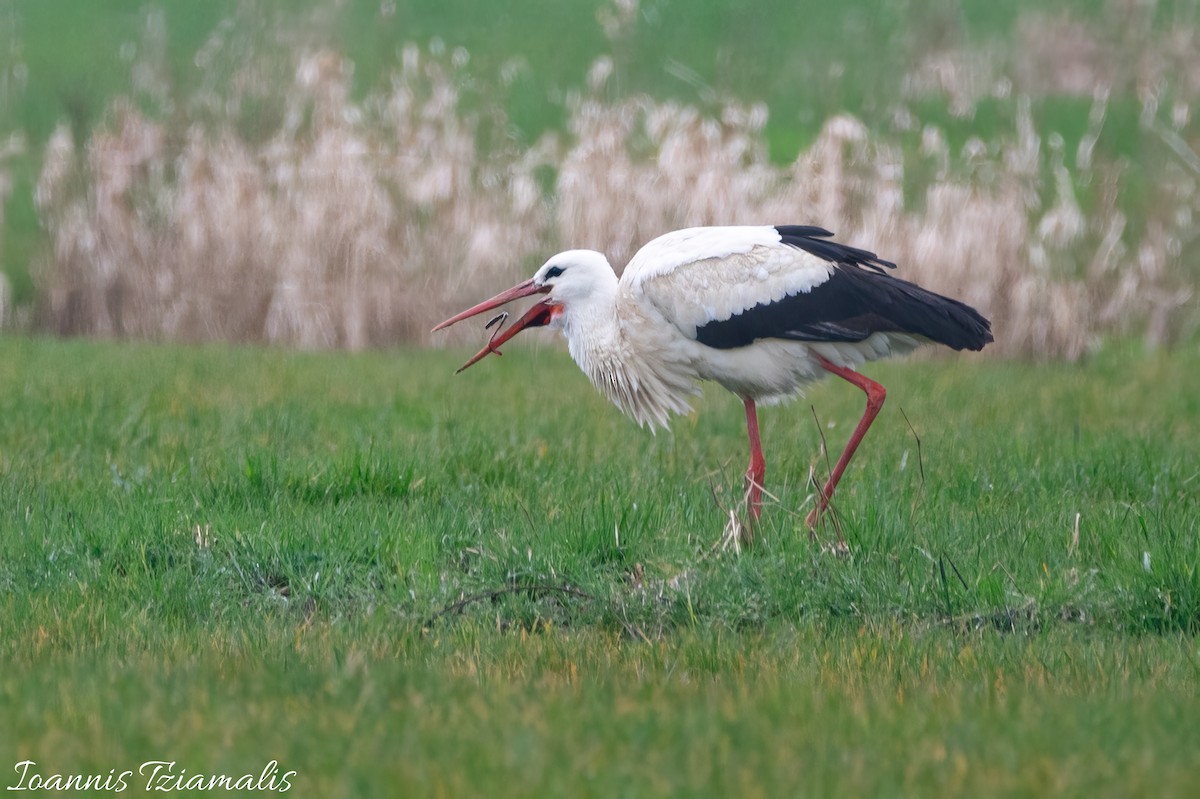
{"points": [[778, 51], [224, 556], [806, 61]]}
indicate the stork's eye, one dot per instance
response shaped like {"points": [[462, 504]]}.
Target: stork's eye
{"points": [[553, 271]]}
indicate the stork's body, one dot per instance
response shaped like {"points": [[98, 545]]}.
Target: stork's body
{"points": [[761, 310]]}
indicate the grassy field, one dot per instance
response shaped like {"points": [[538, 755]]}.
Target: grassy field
{"points": [[388, 580], [391, 579]]}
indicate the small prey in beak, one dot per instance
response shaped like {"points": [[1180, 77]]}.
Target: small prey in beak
{"points": [[537, 316]]}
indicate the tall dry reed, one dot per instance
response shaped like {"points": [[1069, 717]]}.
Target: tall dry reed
{"points": [[13, 146], [350, 226], [359, 223]]}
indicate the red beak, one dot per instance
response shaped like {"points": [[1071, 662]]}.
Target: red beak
{"points": [[515, 293], [540, 314]]}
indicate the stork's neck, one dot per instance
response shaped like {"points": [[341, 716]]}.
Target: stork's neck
{"points": [[592, 328], [591, 320], [639, 376]]}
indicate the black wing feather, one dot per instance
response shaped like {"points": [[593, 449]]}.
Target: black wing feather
{"points": [[811, 239], [857, 300]]}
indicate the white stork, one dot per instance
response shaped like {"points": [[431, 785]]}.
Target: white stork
{"points": [[760, 310]]}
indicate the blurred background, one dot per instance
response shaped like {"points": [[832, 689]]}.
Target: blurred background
{"points": [[343, 174]]}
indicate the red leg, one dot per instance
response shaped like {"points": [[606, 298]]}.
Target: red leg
{"points": [[758, 465], [876, 394]]}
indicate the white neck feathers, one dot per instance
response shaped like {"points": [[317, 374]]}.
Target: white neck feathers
{"points": [[617, 349]]}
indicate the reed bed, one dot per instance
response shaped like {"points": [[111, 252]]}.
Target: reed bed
{"points": [[13, 146], [340, 222]]}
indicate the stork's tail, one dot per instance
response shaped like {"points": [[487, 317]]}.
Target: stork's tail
{"points": [[919, 311]]}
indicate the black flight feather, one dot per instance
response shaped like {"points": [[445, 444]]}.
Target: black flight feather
{"points": [[810, 239], [857, 300]]}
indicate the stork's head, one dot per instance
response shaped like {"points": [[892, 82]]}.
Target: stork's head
{"points": [[568, 280], [574, 276]]}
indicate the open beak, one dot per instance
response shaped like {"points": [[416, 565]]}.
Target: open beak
{"points": [[518, 291], [540, 314], [537, 316]]}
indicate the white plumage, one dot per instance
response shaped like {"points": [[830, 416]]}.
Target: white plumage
{"points": [[760, 310]]}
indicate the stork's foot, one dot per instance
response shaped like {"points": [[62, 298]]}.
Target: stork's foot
{"points": [[752, 494], [810, 521], [737, 534], [838, 547], [743, 519]]}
